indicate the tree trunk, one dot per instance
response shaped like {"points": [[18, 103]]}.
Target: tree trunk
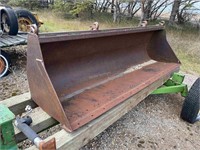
{"points": [[115, 11], [112, 6], [174, 12], [142, 10], [148, 9], [116, 14]]}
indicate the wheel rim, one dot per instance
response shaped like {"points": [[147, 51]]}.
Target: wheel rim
{"points": [[5, 23], [3, 66], [23, 24]]}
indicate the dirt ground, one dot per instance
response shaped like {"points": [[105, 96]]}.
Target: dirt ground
{"points": [[16, 82], [153, 124]]}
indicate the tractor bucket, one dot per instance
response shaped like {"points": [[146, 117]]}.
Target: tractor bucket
{"points": [[77, 76]]}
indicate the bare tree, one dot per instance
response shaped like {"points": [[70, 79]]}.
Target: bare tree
{"points": [[158, 8], [128, 8], [148, 9], [185, 11], [142, 4], [132, 8], [116, 11], [175, 10], [112, 6]]}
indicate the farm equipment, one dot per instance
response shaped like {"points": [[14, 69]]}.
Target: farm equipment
{"points": [[84, 74], [8, 20], [26, 18], [12, 21], [87, 80]]}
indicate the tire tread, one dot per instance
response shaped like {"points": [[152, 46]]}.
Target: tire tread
{"points": [[191, 105]]}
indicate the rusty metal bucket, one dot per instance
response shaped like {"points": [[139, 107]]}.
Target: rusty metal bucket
{"points": [[77, 76]]}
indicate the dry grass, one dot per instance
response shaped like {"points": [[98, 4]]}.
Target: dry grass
{"points": [[185, 43], [55, 22]]}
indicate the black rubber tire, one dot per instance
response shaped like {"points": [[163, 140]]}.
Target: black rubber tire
{"points": [[26, 14], [5, 57], [191, 105], [11, 21]]}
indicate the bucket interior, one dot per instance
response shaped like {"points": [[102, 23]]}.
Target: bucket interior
{"points": [[93, 74], [79, 64]]}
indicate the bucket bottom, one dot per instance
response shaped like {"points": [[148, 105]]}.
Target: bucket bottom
{"points": [[90, 102]]}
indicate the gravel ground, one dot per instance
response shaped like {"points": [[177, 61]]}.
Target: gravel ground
{"points": [[16, 82], [153, 124]]}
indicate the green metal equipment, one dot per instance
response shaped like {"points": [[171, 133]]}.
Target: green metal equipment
{"points": [[7, 139], [173, 85]]}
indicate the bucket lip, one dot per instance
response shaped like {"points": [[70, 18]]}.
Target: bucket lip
{"points": [[75, 35]]}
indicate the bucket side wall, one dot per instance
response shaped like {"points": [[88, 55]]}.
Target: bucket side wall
{"points": [[41, 88], [159, 49]]}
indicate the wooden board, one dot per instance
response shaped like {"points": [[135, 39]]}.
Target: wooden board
{"points": [[83, 135], [8, 40]]}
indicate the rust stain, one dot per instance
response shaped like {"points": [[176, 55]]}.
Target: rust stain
{"points": [[82, 75]]}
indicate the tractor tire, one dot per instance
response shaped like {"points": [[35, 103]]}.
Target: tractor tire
{"points": [[25, 18], [9, 23], [5, 63], [191, 105]]}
